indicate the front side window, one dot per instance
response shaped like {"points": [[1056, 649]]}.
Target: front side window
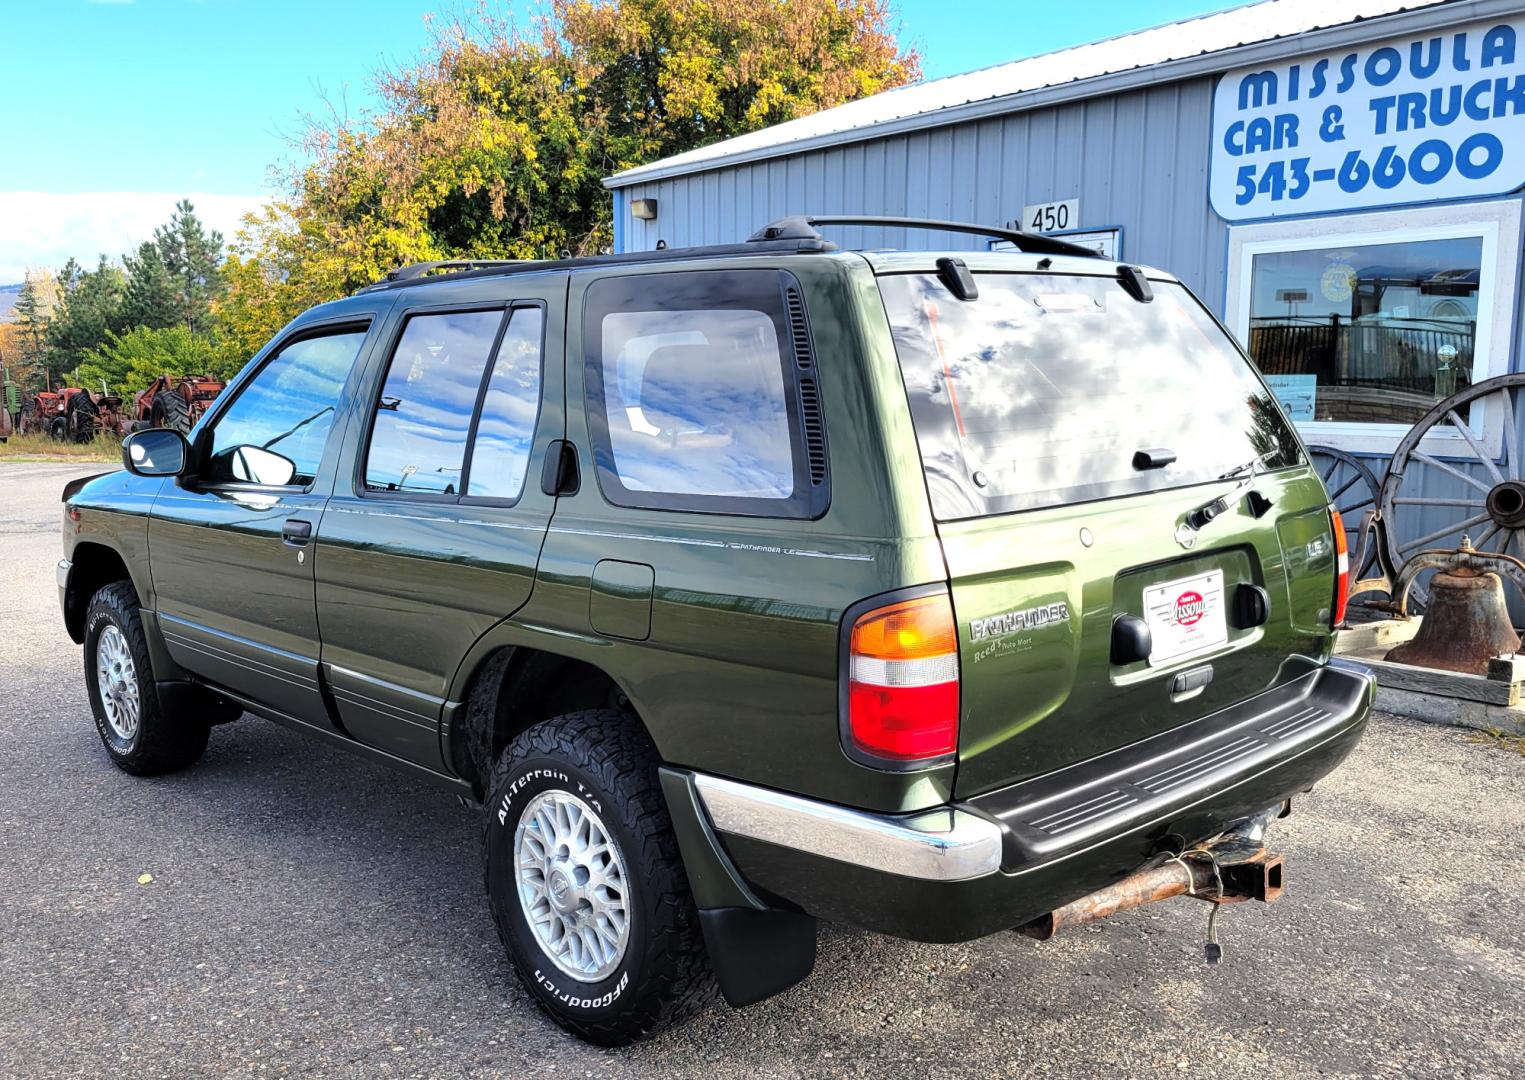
{"points": [[1366, 333], [692, 393], [1042, 390], [274, 432], [423, 417]]}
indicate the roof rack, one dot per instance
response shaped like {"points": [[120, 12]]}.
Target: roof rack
{"points": [[802, 227], [796, 235], [424, 269], [419, 273]]}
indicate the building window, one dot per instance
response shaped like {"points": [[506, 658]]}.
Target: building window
{"points": [[1361, 323]]}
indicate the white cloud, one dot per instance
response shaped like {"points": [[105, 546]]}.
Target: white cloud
{"points": [[40, 228]]}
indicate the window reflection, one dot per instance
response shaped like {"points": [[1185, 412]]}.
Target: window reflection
{"points": [[506, 431], [695, 403], [1374, 333], [1040, 392], [287, 407], [418, 442]]}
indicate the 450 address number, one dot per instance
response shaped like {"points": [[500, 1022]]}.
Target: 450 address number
{"points": [[1430, 162]]}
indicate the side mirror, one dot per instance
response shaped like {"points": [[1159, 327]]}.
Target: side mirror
{"points": [[156, 452], [256, 465]]}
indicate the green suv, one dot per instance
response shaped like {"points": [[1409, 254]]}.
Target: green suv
{"points": [[748, 586]]}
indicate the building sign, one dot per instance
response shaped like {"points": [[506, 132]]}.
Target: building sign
{"points": [[1438, 116], [1050, 217]]}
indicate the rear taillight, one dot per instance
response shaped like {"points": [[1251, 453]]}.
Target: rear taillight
{"points": [[1341, 568], [902, 691]]}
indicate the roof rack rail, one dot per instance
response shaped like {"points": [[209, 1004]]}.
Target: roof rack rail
{"points": [[802, 227], [422, 269]]}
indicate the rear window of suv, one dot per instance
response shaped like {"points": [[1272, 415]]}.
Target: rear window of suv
{"points": [[1040, 391]]}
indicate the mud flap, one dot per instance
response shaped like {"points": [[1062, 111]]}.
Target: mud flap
{"points": [[757, 954]]}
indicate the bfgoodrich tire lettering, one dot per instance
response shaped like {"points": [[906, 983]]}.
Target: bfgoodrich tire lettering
{"points": [[147, 740], [603, 759]]}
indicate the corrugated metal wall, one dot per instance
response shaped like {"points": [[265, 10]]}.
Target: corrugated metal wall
{"points": [[1136, 160]]}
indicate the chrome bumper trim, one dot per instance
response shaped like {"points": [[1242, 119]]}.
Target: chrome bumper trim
{"points": [[61, 573], [944, 844]]}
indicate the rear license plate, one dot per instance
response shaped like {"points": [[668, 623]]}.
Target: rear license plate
{"points": [[1185, 616]]}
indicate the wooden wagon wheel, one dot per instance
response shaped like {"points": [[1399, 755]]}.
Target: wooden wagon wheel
{"points": [[1488, 500], [1353, 489]]}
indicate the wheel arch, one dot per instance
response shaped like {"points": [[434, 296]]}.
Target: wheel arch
{"points": [[93, 565], [513, 687]]}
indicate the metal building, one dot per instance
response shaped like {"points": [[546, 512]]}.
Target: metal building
{"points": [[1338, 182]]}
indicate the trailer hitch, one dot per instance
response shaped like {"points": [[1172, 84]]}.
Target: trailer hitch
{"points": [[1229, 869]]}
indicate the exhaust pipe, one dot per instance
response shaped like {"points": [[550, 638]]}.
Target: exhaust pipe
{"points": [[1229, 870]]}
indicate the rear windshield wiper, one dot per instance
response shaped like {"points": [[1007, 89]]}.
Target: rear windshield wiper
{"points": [[1250, 469]]}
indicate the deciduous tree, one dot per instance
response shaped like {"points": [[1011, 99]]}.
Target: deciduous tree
{"points": [[496, 142]]}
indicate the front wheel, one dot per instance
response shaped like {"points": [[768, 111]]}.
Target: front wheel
{"points": [[585, 881], [139, 734]]}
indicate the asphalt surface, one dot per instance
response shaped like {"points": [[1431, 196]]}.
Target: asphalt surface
{"points": [[310, 913]]}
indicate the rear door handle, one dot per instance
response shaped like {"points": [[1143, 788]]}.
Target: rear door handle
{"points": [[295, 531]]}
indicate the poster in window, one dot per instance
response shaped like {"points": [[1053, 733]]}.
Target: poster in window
{"points": [[1296, 393]]}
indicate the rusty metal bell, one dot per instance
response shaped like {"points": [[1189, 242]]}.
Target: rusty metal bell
{"points": [[1466, 622]]}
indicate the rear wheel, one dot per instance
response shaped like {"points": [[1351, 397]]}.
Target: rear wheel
{"points": [[139, 734], [170, 410], [585, 881], [84, 417]]}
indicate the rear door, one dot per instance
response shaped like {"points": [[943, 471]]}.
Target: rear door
{"points": [[435, 526], [1092, 457]]}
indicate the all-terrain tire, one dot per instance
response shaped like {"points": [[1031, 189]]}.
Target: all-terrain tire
{"points": [[151, 740], [170, 410], [605, 759]]}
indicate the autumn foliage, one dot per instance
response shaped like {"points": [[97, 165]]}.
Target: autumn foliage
{"points": [[495, 143]]}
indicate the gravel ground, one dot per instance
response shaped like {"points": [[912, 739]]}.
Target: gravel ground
{"points": [[310, 913]]}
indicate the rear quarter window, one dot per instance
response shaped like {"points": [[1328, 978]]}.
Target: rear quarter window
{"points": [[694, 394], [1040, 391]]}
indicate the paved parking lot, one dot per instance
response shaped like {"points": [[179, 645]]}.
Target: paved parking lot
{"points": [[313, 914]]}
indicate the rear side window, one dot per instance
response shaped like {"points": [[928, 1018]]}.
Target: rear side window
{"points": [[423, 418], [700, 393], [285, 412], [1040, 392], [500, 452]]}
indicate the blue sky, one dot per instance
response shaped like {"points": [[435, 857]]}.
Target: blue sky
{"points": [[114, 109]]}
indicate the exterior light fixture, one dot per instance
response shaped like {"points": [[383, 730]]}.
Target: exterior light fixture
{"points": [[644, 209]]}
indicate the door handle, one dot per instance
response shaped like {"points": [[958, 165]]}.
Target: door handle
{"points": [[296, 532]]}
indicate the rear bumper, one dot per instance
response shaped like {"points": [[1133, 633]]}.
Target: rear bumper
{"points": [[1006, 857]]}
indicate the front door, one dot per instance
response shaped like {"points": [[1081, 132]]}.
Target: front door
{"points": [[437, 517], [232, 549]]}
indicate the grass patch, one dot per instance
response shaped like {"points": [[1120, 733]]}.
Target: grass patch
{"points": [[106, 449], [1504, 740]]}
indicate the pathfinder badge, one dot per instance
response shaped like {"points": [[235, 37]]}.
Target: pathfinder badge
{"points": [[1014, 622]]}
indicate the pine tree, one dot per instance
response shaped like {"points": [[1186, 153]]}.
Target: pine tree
{"points": [[35, 309], [193, 258], [91, 307], [152, 296]]}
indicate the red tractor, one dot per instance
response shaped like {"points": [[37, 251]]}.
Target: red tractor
{"points": [[73, 414], [46, 413], [174, 403]]}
